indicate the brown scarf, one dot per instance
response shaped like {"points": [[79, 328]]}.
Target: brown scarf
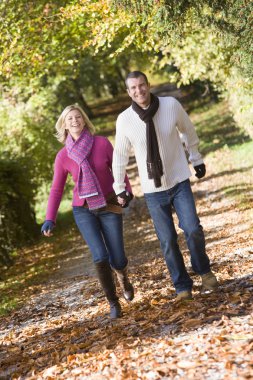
{"points": [[154, 162]]}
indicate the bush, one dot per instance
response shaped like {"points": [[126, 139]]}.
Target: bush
{"points": [[17, 219], [240, 97]]}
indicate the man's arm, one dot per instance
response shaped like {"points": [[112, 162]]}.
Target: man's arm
{"points": [[109, 151], [120, 158], [190, 137]]}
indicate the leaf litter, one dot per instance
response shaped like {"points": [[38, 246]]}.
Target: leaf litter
{"points": [[64, 331]]}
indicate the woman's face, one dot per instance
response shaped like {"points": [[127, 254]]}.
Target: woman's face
{"points": [[74, 123]]}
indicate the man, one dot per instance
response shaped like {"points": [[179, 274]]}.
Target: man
{"points": [[151, 125]]}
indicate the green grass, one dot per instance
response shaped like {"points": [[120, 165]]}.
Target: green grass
{"points": [[239, 156], [242, 154], [41, 206], [216, 128], [8, 304], [228, 149], [42, 199], [238, 160], [34, 264]]}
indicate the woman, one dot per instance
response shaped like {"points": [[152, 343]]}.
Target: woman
{"points": [[88, 159]]}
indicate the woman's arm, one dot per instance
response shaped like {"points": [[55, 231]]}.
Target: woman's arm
{"points": [[57, 188]]}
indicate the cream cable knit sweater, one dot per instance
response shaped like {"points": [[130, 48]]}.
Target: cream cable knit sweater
{"points": [[169, 120]]}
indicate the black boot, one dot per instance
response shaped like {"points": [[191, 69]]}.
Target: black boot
{"points": [[125, 284], [106, 280]]}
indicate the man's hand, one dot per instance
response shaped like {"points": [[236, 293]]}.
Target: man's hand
{"points": [[200, 170], [124, 198], [47, 227]]}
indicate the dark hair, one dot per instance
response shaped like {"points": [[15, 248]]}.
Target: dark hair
{"points": [[136, 74]]}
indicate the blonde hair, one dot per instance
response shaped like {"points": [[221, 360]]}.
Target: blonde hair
{"points": [[61, 132]]}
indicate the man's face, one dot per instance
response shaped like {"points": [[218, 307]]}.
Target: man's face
{"points": [[139, 90]]}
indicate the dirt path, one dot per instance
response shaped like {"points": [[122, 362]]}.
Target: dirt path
{"points": [[64, 331]]}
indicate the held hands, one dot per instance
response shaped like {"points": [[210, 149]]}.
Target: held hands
{"points": [[124, 198], [200, 170], [47, 227]]}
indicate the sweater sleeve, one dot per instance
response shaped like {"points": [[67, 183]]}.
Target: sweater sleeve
{"points": [[120, 157], [57, 188], [110, 158], [189, 134]]}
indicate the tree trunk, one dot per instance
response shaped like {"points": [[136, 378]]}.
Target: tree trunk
{"points": [[81, 99]]}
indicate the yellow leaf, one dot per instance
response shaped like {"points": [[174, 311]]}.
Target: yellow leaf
{"points": [[186, 364]]}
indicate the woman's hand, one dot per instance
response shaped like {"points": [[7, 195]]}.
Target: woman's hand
{"points": [[47, 227]]}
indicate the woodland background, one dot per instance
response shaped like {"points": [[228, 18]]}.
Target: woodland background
{"points": [[54, 53], [53, 316]]}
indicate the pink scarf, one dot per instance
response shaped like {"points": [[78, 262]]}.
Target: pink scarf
{"points": [[88, 186]]}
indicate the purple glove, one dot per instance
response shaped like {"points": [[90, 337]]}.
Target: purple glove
{"points": [[48, 225]]}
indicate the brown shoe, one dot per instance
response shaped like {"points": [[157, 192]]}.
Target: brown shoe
{"points": [[184, 295], [209, 281]]}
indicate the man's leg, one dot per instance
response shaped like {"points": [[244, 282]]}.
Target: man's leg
{"points": [[185, 208], [161, 214], [184, 205]]}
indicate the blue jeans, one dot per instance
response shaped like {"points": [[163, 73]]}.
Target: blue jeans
{"points": [[103, 233], [160, 206]]}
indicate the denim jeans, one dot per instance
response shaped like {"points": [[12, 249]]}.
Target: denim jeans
{"points": [[103, 233], [160, 206]]}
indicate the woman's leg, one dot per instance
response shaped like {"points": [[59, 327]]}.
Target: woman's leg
{"points": [[112, 230], [106, 280], [89, 225], [90, 228], [112, 227]]}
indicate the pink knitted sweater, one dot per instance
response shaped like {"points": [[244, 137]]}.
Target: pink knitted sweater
{"points": [[100, 160]]}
